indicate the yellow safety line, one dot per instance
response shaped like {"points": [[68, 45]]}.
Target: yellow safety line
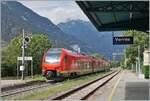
{"points": [[114, 88]]}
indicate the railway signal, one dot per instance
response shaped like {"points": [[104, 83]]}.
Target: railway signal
{"points": [[27, 39], [25, 42]]}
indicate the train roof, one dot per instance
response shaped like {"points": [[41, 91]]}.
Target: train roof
{"points": [[75, 54]]}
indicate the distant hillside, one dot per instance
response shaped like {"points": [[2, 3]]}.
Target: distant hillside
{"points": [[85, 31], [16, 17]]}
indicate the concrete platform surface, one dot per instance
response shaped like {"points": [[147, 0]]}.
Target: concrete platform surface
{"points": [[131, 87], [6, 83], [136, 91], [125, 86]]}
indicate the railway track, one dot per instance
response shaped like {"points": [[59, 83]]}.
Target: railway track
{"points": [[17, 89], [16, 86], [84, 91], [24, 88]]}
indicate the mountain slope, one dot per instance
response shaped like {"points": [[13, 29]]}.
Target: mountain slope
{"points": [[83, 30], [16, 17]]}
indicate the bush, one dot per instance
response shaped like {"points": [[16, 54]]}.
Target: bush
{"points": [[146, 71]]}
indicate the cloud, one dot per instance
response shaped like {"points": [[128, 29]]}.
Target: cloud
{"points": [[56, 11]]}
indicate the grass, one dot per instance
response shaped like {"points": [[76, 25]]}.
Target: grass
{"points": [[36, 78], [65, 85]]}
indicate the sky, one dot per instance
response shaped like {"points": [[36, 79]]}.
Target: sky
{"points": [[56, 11]]}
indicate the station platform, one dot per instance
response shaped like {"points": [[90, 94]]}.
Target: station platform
{"points": [[14, 82], [130, 86], [6, 83], [125, 86]]}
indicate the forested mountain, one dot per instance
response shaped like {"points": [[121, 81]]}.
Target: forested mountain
{"points": [[16, 17], [85, 31]]}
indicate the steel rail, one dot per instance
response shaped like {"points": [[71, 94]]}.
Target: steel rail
{"points": [[78, 89], [25, 89], [31, 86]]}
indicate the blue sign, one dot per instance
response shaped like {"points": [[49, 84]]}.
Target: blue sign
{"points": [[122, 40]]}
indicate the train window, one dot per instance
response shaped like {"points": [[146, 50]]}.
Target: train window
{"points": [[79, 63], [85, 65], [53, 56], [88, 65], [65, 58]]}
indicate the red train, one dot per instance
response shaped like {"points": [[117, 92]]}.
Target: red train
{"points": [[59, 62]]}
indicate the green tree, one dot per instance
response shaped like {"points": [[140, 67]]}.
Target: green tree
{"points": [[9, 57], [140, 39], [36, 47]]}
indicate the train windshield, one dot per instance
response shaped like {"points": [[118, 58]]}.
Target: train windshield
{"points": [[53, 56]]}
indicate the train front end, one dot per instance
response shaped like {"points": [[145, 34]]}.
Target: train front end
{"points": [[51, 62]]}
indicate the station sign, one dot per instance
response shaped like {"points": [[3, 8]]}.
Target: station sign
{"points": [[146, 58], [122, 40], [25, 58], [22, 68]]}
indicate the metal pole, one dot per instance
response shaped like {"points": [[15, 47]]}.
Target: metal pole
{"points": [[139, 66], [114, 59], [125, 62], [136, 68], [55, 43], [17, 69], [112, 50], [22, 77], [31, 68]]}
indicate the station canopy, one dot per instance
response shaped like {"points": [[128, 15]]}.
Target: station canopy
{"points": [[117, 15]]}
